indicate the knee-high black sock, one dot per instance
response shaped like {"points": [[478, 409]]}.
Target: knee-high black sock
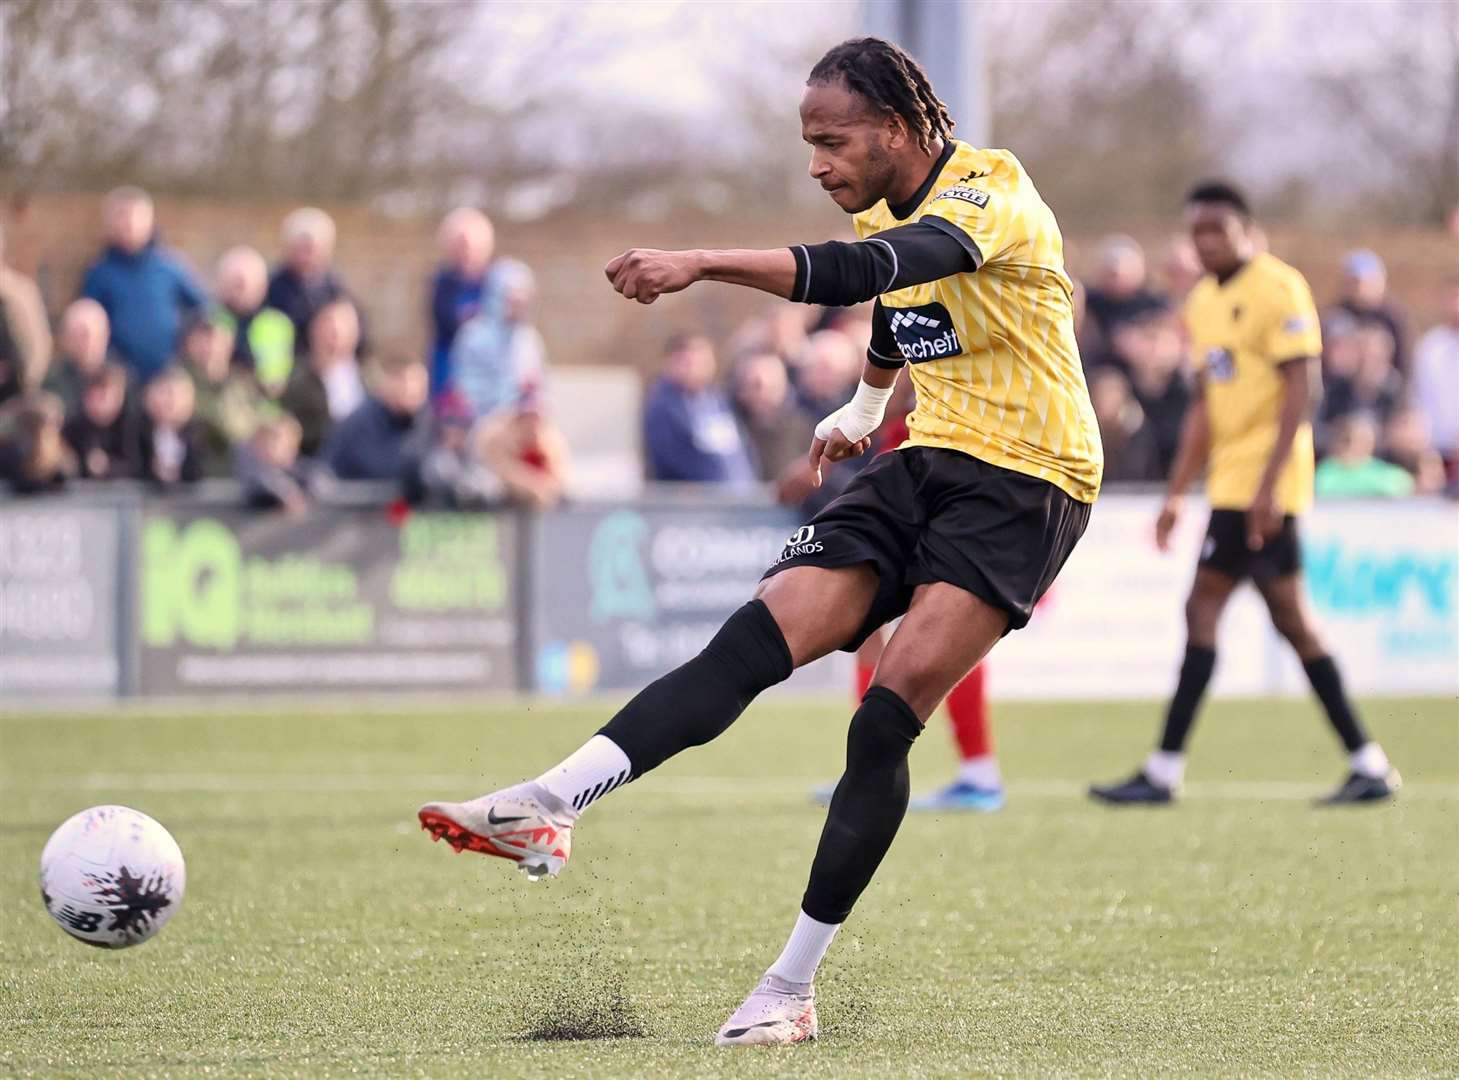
{"points": [[1326, 682], [698, 700], [1195, 675], [868, 806]]}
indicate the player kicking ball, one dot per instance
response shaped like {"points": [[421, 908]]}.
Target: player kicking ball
{"points": [[959, 532], [1255, 336]]}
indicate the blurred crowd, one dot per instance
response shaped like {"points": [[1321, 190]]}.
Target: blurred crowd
{"points": [[266, 374]]}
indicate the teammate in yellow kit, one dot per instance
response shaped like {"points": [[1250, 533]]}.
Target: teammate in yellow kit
{"points": [[1255, 342], [961, 530]]}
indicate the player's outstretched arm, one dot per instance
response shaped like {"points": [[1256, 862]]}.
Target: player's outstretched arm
{"points": [[834, 273], [1190, 458], [644, 274]]}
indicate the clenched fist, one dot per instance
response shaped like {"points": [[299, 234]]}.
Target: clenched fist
{"points": [[644, 274]]}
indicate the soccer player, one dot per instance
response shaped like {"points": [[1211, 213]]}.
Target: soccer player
{"points": [[1255, 338], [960, 531]]}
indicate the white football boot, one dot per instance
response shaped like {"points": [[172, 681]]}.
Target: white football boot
{"points": [[525, 823], [777, 1013]]}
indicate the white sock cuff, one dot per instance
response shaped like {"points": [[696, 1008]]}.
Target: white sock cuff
{"points": [[588, 773], [1370, 760], [804, 951], [1166, 768], [981, 772]]}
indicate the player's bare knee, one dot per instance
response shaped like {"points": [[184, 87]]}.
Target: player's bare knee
{"points": [[920, 683]]}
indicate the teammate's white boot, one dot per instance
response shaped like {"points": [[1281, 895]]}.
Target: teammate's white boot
{"points": [[777, 1013], [525, 823]]}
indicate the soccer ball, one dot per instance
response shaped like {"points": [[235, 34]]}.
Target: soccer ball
{"points": [[112, 877]]}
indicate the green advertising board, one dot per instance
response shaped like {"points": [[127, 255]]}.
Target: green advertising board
{"points": [[336, 600]]}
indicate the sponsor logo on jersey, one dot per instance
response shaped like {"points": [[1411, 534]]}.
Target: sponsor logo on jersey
{"points": [[924, 333], [1220, 365], [1295, 325], [977, 196]]}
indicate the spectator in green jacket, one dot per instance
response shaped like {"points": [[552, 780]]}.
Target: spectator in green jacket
{"points": [[1353, 471]]}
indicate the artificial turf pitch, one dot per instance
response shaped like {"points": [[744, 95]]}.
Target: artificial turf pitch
{"points": [[1240, 933]]}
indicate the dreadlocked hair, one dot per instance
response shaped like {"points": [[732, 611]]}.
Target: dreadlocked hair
{"points": [[891, 81]]}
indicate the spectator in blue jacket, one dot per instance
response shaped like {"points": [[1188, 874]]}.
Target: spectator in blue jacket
{"points": [[387, 437], [460, 287], [145, 289], [688, 428], [306, 279]]}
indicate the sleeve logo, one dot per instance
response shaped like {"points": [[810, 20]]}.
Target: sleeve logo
{"points": [[1295, 325], [977, 196]]}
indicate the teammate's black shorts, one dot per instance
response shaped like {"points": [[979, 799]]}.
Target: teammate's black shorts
{"points": [[924, 514], [1225, 550]]}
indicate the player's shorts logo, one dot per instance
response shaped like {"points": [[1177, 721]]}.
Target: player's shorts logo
{"points": [[924, 333], [801, 542], [1220, 365], [801, 535]]}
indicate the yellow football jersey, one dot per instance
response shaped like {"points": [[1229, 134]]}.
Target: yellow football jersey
{"points": [[992, 352], [1241, 333]]}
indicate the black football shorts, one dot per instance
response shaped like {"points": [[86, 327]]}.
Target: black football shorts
{"points": [[923, 514], [1225, 550]]}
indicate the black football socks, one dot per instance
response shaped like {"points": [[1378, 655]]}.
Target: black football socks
{"points": [[698, 700], [867, 808], [1326, 683], [1190, 688]]}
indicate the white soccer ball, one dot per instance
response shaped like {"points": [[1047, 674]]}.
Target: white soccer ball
{"points": [[112, 876]]}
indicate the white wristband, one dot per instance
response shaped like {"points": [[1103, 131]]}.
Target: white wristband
{"points": [[860, 416]]}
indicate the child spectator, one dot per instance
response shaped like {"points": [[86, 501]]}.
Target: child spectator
{"points": [[528, 455], [459, 291], [1352, 471], [82, 342], [226, 397], [145, 289], [689, 432], [34, 457], [329, 387], [169, 453], [263, 337], [498, 357], [455, 472], [102, 432], [388, 436], [268, 467]]}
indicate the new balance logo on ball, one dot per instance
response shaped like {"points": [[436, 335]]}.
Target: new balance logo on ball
{"points": [[924, 333]]}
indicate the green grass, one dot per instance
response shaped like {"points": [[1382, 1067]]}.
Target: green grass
{"points": [[1239, 933]]}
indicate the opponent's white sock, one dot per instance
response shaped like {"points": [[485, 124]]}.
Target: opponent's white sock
{"points": [[1165, 768], [589, 773], [981, 772], [1370, 760], [803, 952]]}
